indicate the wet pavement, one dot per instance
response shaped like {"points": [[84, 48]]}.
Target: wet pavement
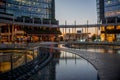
{"points": [[107, 65]]}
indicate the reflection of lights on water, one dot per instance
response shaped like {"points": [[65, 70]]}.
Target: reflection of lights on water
{"points": [[96, 50], [99, 50], [68, 54]]}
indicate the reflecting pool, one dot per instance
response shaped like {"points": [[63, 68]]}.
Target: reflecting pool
{"points": [[98, 49], [66, 66]]}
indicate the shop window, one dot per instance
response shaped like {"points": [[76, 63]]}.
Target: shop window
{"points": [[102, 37], [118, 27], [110, 27], [102, 28], [110, 37]]}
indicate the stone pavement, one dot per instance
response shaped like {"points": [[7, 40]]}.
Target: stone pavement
{"points": [[107, 65]]}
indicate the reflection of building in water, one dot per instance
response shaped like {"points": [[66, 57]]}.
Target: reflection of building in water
{"points": [[62, 55], [47, 73], [4, 63], [56, 54], [14, 59]]}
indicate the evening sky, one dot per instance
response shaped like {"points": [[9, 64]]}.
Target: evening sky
{"points": [[76, 10]]}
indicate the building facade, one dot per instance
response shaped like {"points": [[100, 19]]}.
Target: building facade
{"points": [[31, 20], [109, 13]]}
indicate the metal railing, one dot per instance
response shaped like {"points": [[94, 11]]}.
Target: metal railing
{"points": [[21, 64], [11, 59]]}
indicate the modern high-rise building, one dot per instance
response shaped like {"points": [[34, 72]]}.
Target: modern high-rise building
{"points": [[31, 20], [109, 13]]}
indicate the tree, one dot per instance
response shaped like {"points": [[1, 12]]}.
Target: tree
{"points": [[93, 37]]}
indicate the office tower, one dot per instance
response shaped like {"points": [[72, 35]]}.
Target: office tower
{"points": [[109, 13], [28, 20]]}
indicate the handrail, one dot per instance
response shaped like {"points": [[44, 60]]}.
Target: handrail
{"points": [[29, 67]]}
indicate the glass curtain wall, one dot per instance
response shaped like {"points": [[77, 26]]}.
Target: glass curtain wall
{"points": [[30, 8], [112, 8]]}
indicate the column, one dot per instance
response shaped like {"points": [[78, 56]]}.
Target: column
{"points": [[115, 29], [65, 26], [12, 38], [75, 26], [9, 33], [75, 29], [63, 30], [11, 64], [69, 34], [87, 26], [13, 32]]}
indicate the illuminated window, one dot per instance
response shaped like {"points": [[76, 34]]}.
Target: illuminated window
{"points": [[118, 27], [8, 5], [102, 37], [110, 27], [109, 2], [18, 0], [34, 3], [29, 3], [102, 28], [38, 10], [110, 37]]}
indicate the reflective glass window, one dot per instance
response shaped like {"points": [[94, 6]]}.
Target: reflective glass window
{"points": [[112, 8], [31, 7]]}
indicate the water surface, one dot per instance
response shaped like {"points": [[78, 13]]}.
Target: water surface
{"points": [[67, 66]]}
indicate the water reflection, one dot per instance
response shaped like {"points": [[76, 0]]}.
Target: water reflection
{"points": [[110, 51], [14, 58], [98, 48], [66, 66]]}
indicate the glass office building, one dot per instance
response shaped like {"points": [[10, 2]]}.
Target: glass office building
{"points": [[109, 13], [27, 17], [100, 10], [112, 8], [29, 8]]}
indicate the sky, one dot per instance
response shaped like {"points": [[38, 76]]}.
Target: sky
{"points": [[76, 10]]}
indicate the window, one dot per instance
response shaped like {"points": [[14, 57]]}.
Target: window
{"points": [[118, 27], [2, 3], [33, 7], [110, 27]]}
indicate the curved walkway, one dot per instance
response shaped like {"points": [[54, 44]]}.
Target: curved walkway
{"points": [[108, 65]]}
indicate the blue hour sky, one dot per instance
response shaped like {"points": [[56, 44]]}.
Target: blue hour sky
{"points": [[79, 10]]}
